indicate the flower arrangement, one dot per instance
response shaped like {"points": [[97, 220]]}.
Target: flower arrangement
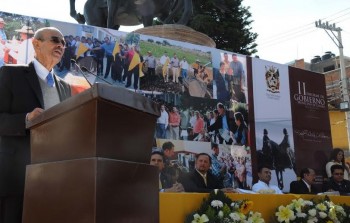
{"points": [[218, 208], [322, 210]]}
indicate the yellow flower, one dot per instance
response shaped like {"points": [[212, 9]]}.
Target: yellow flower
{"points": [[332, 213], [321, 207], [256, 218], [246, 207], [200, 219], [284, 214], [298, 204]]}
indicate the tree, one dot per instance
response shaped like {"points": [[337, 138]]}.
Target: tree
{"points": [[227, 22], [132, 38]]}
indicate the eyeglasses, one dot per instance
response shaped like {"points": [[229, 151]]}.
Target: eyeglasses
{"points": [[56, 40], [338, 174]]}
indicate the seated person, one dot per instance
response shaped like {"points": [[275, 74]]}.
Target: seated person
{"points": [[305, 184], [337, 181], [201, 179], [263, 186], [337, 157], [165, 182]]}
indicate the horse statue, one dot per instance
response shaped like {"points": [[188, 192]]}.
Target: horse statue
{"points": [[113, 13], [277, 156]]}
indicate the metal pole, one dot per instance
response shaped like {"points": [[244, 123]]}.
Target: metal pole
{"points": [[343, 78], [344, 82]]}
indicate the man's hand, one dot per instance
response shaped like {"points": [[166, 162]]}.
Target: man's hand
{"points": [[229, 190], [177, 187], [34, 113]]}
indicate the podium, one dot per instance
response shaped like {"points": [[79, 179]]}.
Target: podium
{"points": [[90, 160]]}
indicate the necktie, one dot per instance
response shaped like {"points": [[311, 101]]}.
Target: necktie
{"points": [[205, 179], [49, 80]]}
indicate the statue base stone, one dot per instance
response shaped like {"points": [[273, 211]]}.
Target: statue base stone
{"points": [[179, 33]]}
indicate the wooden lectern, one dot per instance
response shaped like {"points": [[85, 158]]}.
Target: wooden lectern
{"points": [[90, 160]]}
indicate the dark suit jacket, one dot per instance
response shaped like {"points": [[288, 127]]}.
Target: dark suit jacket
{"points": [[20, 93], [343, 187], [218, 123], [223, 94], [194, 182], [299, 187]]}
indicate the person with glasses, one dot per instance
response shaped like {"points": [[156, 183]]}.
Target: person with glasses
{"points": [[337, 181], [337, 157], [25, 92]]}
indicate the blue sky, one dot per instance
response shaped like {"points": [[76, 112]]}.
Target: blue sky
{"points": [[286, 28]]}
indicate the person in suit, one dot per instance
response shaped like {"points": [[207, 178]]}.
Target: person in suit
{"points": [[305, 184], [25, 92], [166, 184], [224, 124], [337, 181], [222, 80], [201, 179]]}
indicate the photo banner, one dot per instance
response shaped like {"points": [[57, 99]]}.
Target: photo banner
{"points": [[273, 121], [311, 128]]}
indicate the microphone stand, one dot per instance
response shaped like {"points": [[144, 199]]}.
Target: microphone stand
{"points": [[81, 71], [86, 70]]}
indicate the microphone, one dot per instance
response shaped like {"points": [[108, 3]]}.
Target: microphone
{"points": [[86, 70], [82, 72]]}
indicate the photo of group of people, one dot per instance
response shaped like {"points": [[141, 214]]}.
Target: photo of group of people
{"points": [[217, 126], [201, 91]]}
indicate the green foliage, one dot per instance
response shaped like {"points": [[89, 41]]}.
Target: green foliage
{"points": [[159, 49], [219, 208], [132, 38], [230, 30], [14, 21]]}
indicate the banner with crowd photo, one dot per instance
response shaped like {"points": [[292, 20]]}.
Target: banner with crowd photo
{"points": [[190, 82]]}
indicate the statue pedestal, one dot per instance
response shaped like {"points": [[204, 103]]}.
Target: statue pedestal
{"points": [[178, 32]]}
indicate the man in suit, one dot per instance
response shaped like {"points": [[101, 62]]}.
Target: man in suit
{"points": [[305, 184], [25, 92], [165, 183], [337, 181], [224, 124], [201, 179]]}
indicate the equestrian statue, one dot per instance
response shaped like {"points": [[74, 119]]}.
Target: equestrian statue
{"points": [[114, 13]]}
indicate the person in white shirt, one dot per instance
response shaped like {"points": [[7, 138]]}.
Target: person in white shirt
{"points": [[263, 186], [184, 67], [162, 123], [151, 64], [24, 51]]}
